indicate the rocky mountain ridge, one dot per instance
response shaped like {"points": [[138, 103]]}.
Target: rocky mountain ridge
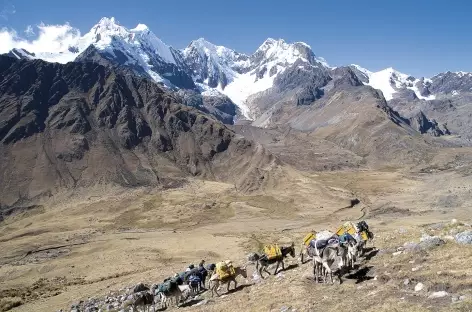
{"points": [[253, 87], [84, 124]]}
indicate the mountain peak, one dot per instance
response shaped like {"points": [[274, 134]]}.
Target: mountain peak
{"points": [[105, 29], [281, 52], [270, 42], [202, 43], [106, 22], [362, 69], [209, 49], [140, 27]]}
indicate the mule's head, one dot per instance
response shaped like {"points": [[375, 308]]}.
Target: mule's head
{"points": [[292, 250], [370, 235], [243, 271]]}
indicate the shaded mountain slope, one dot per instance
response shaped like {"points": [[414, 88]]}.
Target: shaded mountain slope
{"points": [[82, 124]]}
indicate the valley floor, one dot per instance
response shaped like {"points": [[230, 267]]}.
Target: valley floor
{"points": [[71, 248]]}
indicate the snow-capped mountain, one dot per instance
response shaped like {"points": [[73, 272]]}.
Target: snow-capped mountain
{"points": [[392, 82], [211, 65], [239, 76], [452, 83], [138, 48], [276, 72], [21, 54]]}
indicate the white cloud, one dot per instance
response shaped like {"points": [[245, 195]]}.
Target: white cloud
{"points": [[29, 31], [57, 38], [8, 9]]}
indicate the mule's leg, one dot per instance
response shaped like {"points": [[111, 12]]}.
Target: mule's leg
{"points": [[327, 271], [211, 286], [283, 264], [266, 270], [340, 279], [277, 267], [215, 288], [263, 268], [315, 271]]}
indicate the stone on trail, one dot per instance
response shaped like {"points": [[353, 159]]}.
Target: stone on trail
{"points": [[256, 277], [464, 238], [438, 294], [419, 287], [428, 242], [411, 246]]}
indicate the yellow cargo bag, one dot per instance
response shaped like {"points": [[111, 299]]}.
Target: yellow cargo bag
{"points": [[364, 236], [308, 238], [347, 227], [225, 269], [272, 252]]}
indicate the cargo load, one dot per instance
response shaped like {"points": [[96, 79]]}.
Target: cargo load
{"points": [[308, 238], [272, 252], [225, 269]]}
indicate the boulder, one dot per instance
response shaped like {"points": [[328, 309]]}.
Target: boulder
{"points": [[438, 294], [419, 287], [428, 242], [464, 238], [411, 246]]}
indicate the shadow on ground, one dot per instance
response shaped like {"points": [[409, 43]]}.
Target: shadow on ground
{"points": [[361, 275], [371, 253], [239, 288]]}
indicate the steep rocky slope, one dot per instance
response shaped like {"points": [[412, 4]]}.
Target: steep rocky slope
{"points": [[82, 124], [356, 118]]}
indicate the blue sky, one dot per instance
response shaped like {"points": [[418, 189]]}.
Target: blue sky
{"points": [[418, 37]]}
